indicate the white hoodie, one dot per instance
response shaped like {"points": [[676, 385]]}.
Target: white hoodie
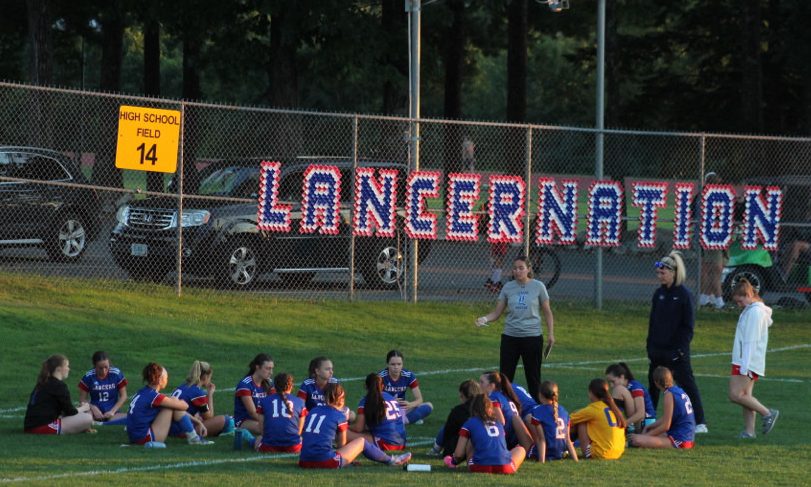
{"points": [[752, 338]]}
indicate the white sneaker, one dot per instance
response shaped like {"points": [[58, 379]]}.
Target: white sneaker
{"points": [[719, 303], [702, 428], [199, 440], [703, 299]]}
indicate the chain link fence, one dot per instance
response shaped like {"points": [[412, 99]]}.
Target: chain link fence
{"points": [[67, 211]]}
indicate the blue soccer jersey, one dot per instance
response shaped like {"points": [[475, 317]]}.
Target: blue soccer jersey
{"points": [[391, 430], [320, 429], [508, 408], [281, 421], [311, 394], [194, 396], [527, 401], [683, 422], [144, 407], [103, 392], [248, 388], [638, 390], [489, 442], [398, 388], [554, 432]]}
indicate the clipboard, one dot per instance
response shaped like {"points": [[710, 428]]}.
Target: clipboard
{"points": [[547, 351]]}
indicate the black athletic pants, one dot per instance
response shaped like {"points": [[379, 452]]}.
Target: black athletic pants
{"points": [[528, 349]]}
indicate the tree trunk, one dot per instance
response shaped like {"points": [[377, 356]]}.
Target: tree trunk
{"points": [[751, 68], [152, 78], [39, 30], [454, 54]]}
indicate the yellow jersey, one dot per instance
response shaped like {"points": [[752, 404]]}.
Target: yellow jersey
{"points": [[607, 438]]}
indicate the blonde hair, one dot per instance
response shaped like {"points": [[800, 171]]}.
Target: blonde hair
{"points": [[675, 262], [197, 371]]}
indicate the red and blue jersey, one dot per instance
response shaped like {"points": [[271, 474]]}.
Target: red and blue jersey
{"points": [[638, 390], [489, 442], [397, 388], [282, 419], [311, 394], [554, 432], [320, 428], [103, 392], [144, 407], [391, 429], [248, 388], [193, 395], [526, 400], [683, 422]]}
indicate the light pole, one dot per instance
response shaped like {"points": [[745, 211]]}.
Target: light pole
{"points": [[414, 7], [599, 124]]}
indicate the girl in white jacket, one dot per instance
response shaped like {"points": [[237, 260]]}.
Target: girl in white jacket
{"points": [[749, 358]]}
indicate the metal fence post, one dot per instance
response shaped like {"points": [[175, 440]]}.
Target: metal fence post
{"points": [[702, 160], [352, 209], [179, 261], [527, 223]]}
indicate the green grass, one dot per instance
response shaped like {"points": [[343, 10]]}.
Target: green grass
{"points": [[135, 325]]}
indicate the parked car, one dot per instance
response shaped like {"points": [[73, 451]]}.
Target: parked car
{"points": [[764, 268], [61, 219], [221, 238]]}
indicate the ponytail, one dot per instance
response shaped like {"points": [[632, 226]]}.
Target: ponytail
{"points": [[48, 367], [549, 390], [284, 382], [599, 388], [197, 371], [375, 408], [481, 407], [469, 389], [503, 384]]}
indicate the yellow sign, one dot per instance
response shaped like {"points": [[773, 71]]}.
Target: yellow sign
{"points": [[147, 139]]}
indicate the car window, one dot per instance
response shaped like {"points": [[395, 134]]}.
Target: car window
{"points": [[249, 187], [5, 163], [219, 182], [41, 168]]}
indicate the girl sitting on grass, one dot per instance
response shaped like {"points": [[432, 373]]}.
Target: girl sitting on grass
{"points": [[324, 443], [483, 442], [248, 396], [677, 426], [600, 425], [49, 410], [106, 387], [381, 414], [506, 407], [550, 422], [396, 380], [198, 393], [631, 396], [284, 418]]}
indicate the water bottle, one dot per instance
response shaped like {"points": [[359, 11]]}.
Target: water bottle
{"points": [[238, 439]]}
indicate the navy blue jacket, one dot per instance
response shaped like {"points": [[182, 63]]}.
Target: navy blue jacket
{"points": [[670, 329]]}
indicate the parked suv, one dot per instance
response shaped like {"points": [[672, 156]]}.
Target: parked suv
{"points": [[221, 238], [62, 219]]}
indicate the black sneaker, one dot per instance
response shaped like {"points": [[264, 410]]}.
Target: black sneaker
{"points": [[768, 421]]}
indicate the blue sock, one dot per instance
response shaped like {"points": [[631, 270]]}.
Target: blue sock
{"points": [[372, 452], [440, 436], [187, 426], [420, 412], [115, 422]]}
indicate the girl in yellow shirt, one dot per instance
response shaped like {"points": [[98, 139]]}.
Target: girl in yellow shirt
{"points": [[600, 426]]}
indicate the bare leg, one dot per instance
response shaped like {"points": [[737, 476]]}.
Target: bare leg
{"points": [[740, 392], [214, 425], [518, 455], [160, 426], [585, 441], [648, 441], [78, 423], [252, 426], [351, 450]]}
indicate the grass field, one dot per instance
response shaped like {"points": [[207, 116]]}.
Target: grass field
{"points": [[135, 325]]}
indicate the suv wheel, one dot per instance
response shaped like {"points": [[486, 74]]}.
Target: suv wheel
{"points": [[240, 267], [70, 240], [385, 267]]}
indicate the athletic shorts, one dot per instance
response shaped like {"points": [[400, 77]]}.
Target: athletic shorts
{"points": [[265, 448], [53, 428], [684, 445], [388, 446], [335, 462], [736, 370], [150, 436], [503, 469]]}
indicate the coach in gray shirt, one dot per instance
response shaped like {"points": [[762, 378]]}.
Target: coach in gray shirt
{"points": [[524, 299]]}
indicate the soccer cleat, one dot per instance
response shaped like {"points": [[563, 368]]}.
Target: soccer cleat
{"points": [[702, 428], [400, 459], [435, 451], [768, 421], [154, 444], [746, 436]]}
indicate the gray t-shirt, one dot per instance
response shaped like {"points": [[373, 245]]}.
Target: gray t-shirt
{"points": [[523, 307]]}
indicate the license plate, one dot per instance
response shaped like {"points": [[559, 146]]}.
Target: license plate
{"points": [[139, 249]]}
